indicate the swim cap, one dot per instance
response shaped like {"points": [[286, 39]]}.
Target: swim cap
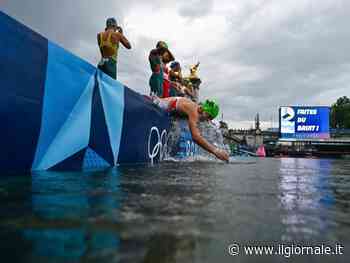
{"points": [[111, 22], [162, 44], [174, 64], [210, 107]]}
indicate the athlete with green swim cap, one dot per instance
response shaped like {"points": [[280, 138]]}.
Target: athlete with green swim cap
{"points": [[211, 108], [195, 113]]}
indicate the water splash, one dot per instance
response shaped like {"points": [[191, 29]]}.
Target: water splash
{"points": [[181, 147]]}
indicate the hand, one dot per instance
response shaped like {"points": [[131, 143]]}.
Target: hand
{"points": [[221, 154], [119, 29]]}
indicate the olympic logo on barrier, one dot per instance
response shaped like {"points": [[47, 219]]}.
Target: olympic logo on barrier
{"points": [[161, 147]]}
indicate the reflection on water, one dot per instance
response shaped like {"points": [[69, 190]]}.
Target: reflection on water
{"points": [[174, 212], [303, 191], [63, 206], [310, 192]]}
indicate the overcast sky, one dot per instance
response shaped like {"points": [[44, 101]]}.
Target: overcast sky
{"points": [[255, 54]]}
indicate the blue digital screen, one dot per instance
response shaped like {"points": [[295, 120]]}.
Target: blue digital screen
{"points": [[304, 122]]}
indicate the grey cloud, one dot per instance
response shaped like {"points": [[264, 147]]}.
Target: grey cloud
{"points": [[68, 23], [305, 56], [195, 8], [291, 61], [74, 25]]}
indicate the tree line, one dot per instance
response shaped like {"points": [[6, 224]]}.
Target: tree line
{"points": [[340, 113]]}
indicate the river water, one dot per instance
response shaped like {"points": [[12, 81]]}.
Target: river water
{"points": [[177, 212]]}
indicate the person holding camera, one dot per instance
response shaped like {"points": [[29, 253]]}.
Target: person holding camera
{"points": [[108, 42]]}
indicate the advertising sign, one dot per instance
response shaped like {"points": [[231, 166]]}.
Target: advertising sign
{"points": [[304, 122]]}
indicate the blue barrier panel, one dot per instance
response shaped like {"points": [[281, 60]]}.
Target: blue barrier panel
{"points": [[66, 114], [60, 112], [186, 147], [23, 59], [140, 116]]}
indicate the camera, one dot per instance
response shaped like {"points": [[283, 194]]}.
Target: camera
{"points": [[119, 29]]}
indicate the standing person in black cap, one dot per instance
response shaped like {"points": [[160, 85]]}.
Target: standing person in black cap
{"points": [[108, 42]]}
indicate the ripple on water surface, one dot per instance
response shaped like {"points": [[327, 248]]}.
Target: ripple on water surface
{"points": [[174, 212]]}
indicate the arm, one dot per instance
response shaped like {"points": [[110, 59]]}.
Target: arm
{"points": [[197, 137], [154, 61], [176, 86], [157, 68], [189, 92], [124, 40]]}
